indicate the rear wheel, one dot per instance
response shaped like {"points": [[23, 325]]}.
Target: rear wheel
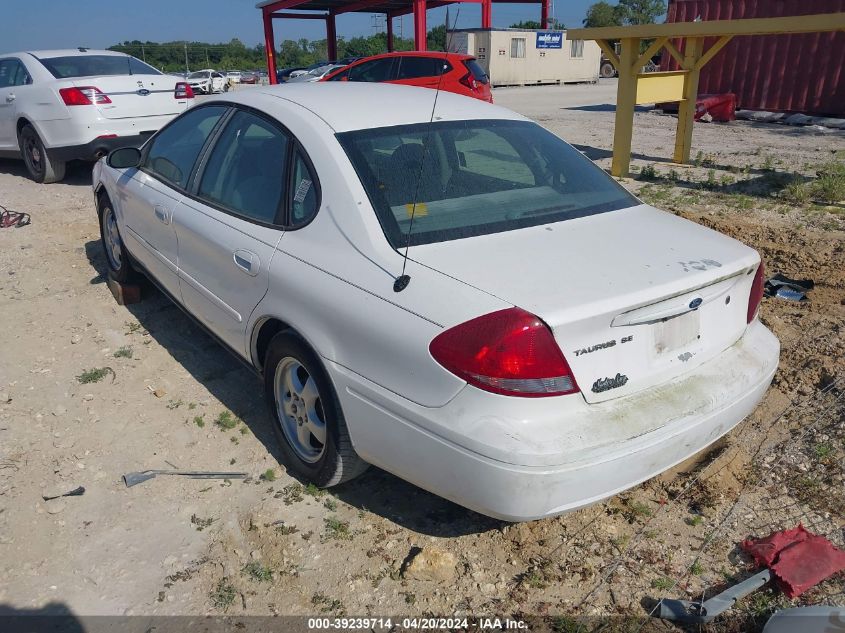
{"points": [[607, 71], [117, 259], [309, 422], [41, 167]]}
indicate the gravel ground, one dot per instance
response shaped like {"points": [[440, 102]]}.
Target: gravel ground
{"points": [[272, 546]]}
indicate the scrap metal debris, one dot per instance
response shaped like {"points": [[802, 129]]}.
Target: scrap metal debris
{"points": [[795, 559], [10, 218], [133, 479], [783, 287]]}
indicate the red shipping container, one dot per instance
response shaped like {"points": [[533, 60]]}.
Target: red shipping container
{"points": [[781, 73]]}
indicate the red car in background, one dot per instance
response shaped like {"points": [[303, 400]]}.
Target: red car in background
{"points": [[461, 74]]}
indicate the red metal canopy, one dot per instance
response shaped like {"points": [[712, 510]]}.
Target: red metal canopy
{"points": [[328, 9]]}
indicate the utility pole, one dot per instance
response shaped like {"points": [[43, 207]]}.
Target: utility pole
{"points": [[187, 70], [207, 63], [143, 53]]}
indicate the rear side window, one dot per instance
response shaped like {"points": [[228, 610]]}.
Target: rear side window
{"points": [[173, 152], [375, 70], [339, 76], [245, 172], [477, 71], [303, 192], [12, 73], [96, 66], [416, 67]]}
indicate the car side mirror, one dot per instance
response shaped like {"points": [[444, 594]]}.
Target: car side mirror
{"points": [[124, 157]]}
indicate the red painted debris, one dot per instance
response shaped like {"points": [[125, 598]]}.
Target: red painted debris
{"points": [[721, 107], [798, 559]]}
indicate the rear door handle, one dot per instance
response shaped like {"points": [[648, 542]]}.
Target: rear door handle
{"points": [[10, 98], [247, 261], [162, 213]]}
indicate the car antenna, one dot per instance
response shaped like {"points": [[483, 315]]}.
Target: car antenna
{"points": [[402, 281]]}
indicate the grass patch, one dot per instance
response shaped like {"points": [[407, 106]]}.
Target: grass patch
{"points": [[314, 491], [330, 504], [325, 603], [132, 327], [94, 375], [199, 420], [123, 352], [637, 510], [201, 523], [226, 421], [697, 569], [830, 185], [290, 494], [174, 404], [648, 173], [695, 520], [223, 595], [663, 583], [535, 580], [336, 530], [268, 475], [286, 529], [257, 572]]}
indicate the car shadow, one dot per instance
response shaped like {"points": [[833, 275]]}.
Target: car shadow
{"points": [[78, 172], [56, 617], [241, 391]]}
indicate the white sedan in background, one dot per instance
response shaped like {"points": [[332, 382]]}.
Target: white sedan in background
{"points": [[208, 81], [315, 75], [63, 105], [549, 340]]}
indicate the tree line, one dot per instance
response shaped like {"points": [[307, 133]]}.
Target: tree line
{"points": [[177, 56]]}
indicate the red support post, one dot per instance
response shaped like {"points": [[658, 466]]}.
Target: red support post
{"points": [[269, 45], [331, 37], [420, 30], [486, 14], [389, 20], [544, 14]]}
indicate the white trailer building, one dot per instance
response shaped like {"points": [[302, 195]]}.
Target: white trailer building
{"points": [[515, 57]]}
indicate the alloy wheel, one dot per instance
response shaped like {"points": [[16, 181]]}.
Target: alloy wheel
{"points": [[300, 410]]}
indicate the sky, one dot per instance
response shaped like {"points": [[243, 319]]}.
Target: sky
{"points": [[46, 24]]}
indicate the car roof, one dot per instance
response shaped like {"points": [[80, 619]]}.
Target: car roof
{"points": [[433, 54], [346, 106], [71, 52]]}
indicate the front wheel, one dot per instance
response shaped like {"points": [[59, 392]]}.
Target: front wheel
{"points": [[117, 259], [41, 167], [308, 420]]}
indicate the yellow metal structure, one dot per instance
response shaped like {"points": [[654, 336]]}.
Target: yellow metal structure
{"points": [[636, 87]]}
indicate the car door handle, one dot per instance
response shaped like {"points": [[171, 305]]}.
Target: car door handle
{"points": [[162, 213], [10, 98], [247, 261]]}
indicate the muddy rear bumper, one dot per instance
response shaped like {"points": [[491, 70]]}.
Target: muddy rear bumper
{"points": [[544, 467]]}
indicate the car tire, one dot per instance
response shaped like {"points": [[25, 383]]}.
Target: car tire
{"points": [[607, 70], [117, 257], [41, 166], [301, 396]]}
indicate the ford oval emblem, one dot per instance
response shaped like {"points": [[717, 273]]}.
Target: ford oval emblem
{"points": [[695, 303], [143, 92]]}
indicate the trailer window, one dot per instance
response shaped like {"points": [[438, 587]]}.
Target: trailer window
{"points": [[576, 49], [517, 47]]}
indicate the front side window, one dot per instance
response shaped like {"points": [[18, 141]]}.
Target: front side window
{"points": [[96, 66], [458, 179], [417, 67], [173, 152], [375, 70], [245, 173], [517, 47]]}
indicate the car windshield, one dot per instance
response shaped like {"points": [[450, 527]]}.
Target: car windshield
{"points": [[96, 66], [198, 75], [459, 179]]}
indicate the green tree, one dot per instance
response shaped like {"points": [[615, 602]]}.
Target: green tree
{"points": [[642, 11], [436, 38], [604, 14]]}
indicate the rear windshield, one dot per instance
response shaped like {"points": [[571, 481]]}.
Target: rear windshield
{"points": [[464, 178], [477, 71], [96, 66]]}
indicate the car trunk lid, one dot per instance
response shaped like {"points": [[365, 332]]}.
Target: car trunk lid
{"points": [[135, 96], [633, 297]]}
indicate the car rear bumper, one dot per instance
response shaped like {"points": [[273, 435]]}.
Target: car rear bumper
{"points": [[518, 468], [99, 147]]}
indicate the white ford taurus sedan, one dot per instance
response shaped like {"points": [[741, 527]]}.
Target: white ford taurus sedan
{"points": [[550, 340]]}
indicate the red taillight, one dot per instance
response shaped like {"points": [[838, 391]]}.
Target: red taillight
{"points": [[756, 295], [511, 352], [84, 95], [469, 81], [183, 91]]}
